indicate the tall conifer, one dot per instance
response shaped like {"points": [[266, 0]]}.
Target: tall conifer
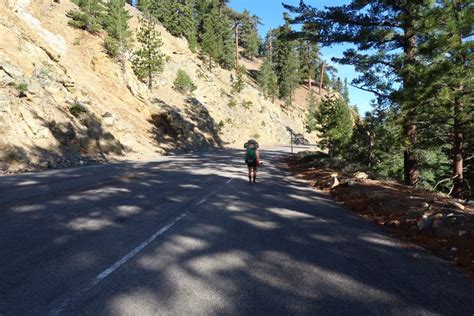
{"points": [[116, 25], [148, 60]]}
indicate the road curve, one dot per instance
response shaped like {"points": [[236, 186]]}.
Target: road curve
{"points": [[188, 235]]}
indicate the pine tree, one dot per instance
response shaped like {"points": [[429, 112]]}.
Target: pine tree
{"points": [[211, 44], [290, 75], [228, 57], [312, 105], [389, 28], [447, 89], [148, 60], [387, 144], [217, 38], [268, 80], [201, 9], [116, 25], [177, 16], [268, 48], [89, 17], [238, 83], [308, 55], [249, 38], [286, 63], [333, 121]]}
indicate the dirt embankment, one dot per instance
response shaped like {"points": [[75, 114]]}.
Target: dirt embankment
{"points": [[432, 220]]}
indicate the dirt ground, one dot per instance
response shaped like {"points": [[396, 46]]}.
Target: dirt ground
{"points": [[432, 220]]}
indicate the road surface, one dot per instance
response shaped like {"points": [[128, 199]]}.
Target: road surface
{"points": [[189, 236]]}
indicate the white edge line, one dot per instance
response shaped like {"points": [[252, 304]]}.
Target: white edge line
{"points": [[104, 274]]}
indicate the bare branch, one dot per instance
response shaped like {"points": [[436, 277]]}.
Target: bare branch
{"points": [[451, 191], [444, 180]]}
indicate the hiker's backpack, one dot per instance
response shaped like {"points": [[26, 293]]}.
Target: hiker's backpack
{"points": [[251, 155], [251, 143]]}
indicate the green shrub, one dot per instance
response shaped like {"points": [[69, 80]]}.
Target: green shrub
{"points": [[247, 104], [232, 103], [183, 82], [76, 110], [111, 47], [238, 84], [22, 89]]}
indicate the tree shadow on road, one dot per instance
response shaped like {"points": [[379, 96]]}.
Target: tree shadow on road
{"points": [[272, 248]]}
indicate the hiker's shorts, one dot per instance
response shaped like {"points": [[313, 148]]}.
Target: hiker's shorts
{"points": [[252, 165]]}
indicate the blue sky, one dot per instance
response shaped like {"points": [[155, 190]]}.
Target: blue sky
{"points": [[271, 14]]}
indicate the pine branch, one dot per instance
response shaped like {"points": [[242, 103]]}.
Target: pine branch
{"points": [[377, 93]]}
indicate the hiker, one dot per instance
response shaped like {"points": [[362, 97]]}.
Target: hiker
{"points": [[252, 159]]}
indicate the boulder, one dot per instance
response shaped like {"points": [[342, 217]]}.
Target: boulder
{"points": [[108, 119], [359, 175], [334, 181]]}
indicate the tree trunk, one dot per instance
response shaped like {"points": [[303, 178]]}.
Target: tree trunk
{"points": [[370, 151], [309, 82], [270, 49], [321, 79], [150, 71], [458, 136], [458, 130], [236, 30], [410, 162]]}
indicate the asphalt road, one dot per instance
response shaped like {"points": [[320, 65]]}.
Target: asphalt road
{"points": [[189, 236]]}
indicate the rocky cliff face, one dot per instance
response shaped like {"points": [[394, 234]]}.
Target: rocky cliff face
{"points": [[64, 102]]}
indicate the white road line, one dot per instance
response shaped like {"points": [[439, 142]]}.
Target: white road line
{"points": [[104, 274]]}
